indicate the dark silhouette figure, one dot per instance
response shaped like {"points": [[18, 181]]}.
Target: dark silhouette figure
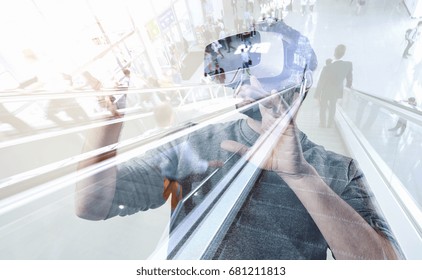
{"points": [[245, 61], [220, 74], [229, 44], [412, 35], [331, 84], [401, 124]]}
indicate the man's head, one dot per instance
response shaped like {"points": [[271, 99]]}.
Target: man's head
{"points": [[411, 101], [339, 51], [286, 60], [295, 56]]}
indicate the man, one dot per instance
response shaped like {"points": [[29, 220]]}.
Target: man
{"points": [[331, 83], [220, 74], [412, 35], [222, 39], [229, 44], [305, 200], [124, 83], [245, 60], [307, 3], [216, 46], [401, 124]]}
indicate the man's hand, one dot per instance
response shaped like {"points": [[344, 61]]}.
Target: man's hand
{"points": [[285, 157]]}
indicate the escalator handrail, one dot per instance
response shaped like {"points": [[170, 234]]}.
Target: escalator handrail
{"points": [[408, 112], [122, 145], [241, 177], [79, 94], [125, 145], [234, 76], [43, 95]]}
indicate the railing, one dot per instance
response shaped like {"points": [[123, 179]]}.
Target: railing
{"points": [[197, 236], [391, 157], [38, 201], [43, 195], [32, 121]]}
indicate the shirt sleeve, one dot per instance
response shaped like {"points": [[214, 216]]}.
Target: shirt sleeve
{"points": [[358, 195], [139, 187], [140, 181]]}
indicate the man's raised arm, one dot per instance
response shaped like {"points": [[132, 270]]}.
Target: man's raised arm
{"points": [[94, 195]]}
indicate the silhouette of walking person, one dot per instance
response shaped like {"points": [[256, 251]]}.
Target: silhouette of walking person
{"points": [[245, 61], [412, 35], [229, 44], [401, 124], [331, 83]]}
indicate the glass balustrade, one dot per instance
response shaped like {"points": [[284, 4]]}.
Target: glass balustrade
{"points": [[394, 131]]}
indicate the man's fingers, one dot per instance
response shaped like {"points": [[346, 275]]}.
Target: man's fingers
{"points": [[234, 147]]}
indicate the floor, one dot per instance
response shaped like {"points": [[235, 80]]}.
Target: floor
{"points": [[375, 42]]}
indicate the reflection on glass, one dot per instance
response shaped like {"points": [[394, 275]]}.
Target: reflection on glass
{"points": [[228, 54], [287, 187], [302, 200], [394, 137]]}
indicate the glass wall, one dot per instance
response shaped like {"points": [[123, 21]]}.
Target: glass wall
{"points": [[394, 136]]}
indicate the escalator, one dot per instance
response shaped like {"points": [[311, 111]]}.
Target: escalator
{"points": [[27, 148], [39, 198], [40, 160], [390, 159], [392, 181]]}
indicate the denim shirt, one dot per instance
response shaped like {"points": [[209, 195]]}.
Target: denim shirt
{"points": [[273, 223]]}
